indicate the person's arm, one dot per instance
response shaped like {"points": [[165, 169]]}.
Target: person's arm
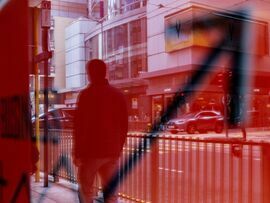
{"points": [[76, 133]]}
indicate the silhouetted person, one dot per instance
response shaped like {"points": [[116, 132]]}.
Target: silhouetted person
{"points": [[101, 124]]}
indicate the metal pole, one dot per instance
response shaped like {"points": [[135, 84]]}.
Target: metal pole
{"points": [[46, 104], [226, 114], [101, 24], [225, 90], [37, 132], [102, 40]]}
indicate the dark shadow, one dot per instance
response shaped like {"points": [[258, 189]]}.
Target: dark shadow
{"points": [[100, 130]]}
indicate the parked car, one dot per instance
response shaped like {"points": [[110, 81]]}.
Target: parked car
{"points": [[202, 122], [61, 118]]}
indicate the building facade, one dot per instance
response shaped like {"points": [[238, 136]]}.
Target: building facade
{"points": [[179, 42], [120, 39], [154, 49], [63, 13]]}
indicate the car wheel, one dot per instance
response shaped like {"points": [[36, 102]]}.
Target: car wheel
{"points": [[191, 128], [218, 128], [173, 131]]}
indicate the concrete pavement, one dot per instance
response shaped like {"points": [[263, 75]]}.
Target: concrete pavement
{"points": [[56, 192], [60, 192]]}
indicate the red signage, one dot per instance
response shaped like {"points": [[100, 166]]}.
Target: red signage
{"points": [[46, 5], [46, 14]]}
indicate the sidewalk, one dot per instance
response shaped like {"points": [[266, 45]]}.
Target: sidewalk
{"points": [[56, 192], [60, 192]]}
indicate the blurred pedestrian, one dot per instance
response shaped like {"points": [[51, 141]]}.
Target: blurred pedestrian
{"points": [[100, 130]]}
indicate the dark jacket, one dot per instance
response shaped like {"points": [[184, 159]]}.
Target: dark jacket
{"points": [[101, 122]]}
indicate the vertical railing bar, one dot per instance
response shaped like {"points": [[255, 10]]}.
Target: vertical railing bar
{"points": [[163, 172], [128, 179], [146, 176], [177, 169], [262, 196], [222, 173], [64, 174], [57, 155], [139, 182], [240, 175], [170, 142], [122, 160], [60, 153], [250, 174], [49, 152], [70, 158], [53, 154], [197, 172], [133, 151], [142, 177], [64, 156], [142, 171], [73, 166], [183, 178], [205, 177], [190, 175], [213, 172], [155, 159], [124, 185], [67, 156], [145, 170], [137, 172], [230, 174], [70, 155]]}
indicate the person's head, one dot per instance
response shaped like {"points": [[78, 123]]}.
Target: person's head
{"points": [[96, 70]]}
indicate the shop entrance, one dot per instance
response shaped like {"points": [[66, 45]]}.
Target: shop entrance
{"points": [[157, 108], [160, 104], [167, 102]]}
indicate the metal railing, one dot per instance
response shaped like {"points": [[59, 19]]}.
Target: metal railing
{"points": [[182, 169]]}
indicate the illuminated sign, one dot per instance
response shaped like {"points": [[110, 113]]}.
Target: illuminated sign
{"points": [[178, 32], [191, 27]]}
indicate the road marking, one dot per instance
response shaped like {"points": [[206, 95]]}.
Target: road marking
{"points": [[171, 170]]}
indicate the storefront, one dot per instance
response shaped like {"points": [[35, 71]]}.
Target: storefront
{"points": [[165, 84], [139, 104]]}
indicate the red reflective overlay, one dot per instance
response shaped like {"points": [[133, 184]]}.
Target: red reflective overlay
{"points": [[15, 165], [177, 110]]}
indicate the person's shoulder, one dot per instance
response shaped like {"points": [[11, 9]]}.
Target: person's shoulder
{"points": [[116, 91], [84, 92]]}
